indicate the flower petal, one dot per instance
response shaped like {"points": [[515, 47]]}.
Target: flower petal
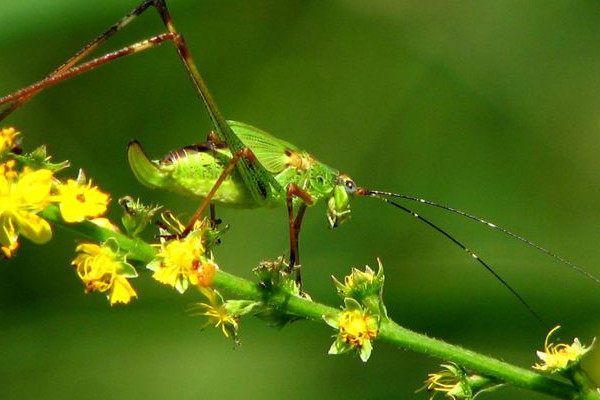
{"points": [[34, 227], [121, 291], [34, 187]]}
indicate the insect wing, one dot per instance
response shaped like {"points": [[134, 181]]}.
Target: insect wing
{"points": [[271, 152]]}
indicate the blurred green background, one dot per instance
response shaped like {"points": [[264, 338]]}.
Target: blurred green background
{"points": [[491, 107]]}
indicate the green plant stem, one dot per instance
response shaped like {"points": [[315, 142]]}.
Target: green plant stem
{"points": [[581, 380], [304, 308], [407, 339], [136, 249]]}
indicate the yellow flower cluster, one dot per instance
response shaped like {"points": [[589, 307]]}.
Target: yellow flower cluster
{"points": [[25, 192], [102, 269], [22, 196], [182, 261], [30, 192]]}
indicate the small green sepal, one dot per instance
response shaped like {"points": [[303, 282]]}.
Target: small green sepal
{"points": [[366, 287], [127, 270], [239, 308]]}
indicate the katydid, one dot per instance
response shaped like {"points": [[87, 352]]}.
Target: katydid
{"points": [[240, 165]]}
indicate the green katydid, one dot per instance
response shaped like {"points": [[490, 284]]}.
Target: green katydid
{"points": [[240, 165]]}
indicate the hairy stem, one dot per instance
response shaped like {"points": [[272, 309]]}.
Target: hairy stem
{"points": [[407, 339], [389, 331]]}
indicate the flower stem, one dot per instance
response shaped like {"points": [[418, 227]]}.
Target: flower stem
{"points": [[582, 381], [136, 249], [304, 308], [407, 339]]}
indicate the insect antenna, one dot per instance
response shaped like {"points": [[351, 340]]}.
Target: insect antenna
{"points": [[380, 196], [490, 225]]}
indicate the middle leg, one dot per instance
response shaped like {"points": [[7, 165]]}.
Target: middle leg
{"points": [[295, 223]]}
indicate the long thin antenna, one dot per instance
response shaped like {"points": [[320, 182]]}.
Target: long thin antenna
{"points": [[490, 225], [464, 248]]}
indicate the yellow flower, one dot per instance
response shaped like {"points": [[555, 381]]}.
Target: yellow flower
{"points": [[8, 139], [450, 382], [104, 270], [22, 196], [216, 312], [356, 329], [79, 200], [181, 261], [454, 382], [561, 356]]}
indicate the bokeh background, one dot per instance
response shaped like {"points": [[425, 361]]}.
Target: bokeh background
{"points": [[492, 107]]}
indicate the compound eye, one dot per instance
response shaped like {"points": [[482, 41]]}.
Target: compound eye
{"points": [[350, 186]]}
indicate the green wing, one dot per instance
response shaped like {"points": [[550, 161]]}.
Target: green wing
{"points": [[270, 151]]}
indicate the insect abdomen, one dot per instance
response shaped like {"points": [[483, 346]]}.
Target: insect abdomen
{"points": [[191, 173]]}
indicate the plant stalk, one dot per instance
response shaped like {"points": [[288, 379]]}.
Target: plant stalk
{"points": [[389, 331]]}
